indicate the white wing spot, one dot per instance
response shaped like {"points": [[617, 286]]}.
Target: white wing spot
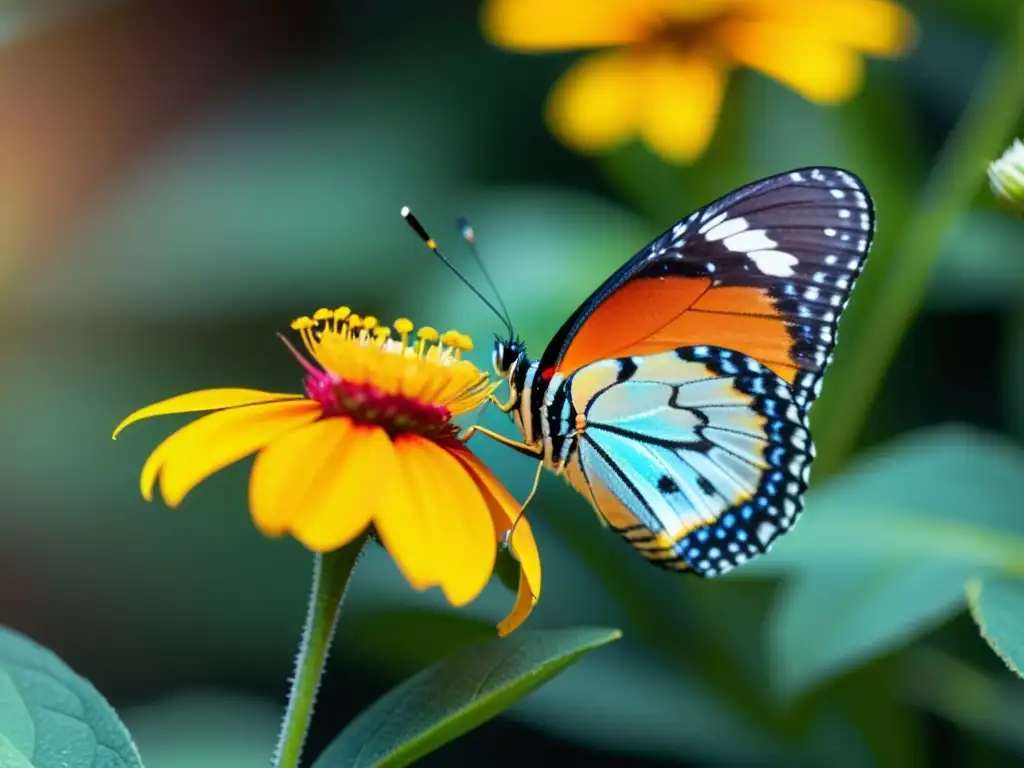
{"points": [[712, 223], [831, 258], [765, 531], [726, 228], [751, 240], [796, 176], [844, 213], [838, 194], [776, 263], [829, 232]]}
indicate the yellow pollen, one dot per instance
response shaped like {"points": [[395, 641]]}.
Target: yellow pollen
{"points": [[358, 349]]}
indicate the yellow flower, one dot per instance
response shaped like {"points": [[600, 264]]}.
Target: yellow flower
{"points": [[664, 64], [371, 443]]}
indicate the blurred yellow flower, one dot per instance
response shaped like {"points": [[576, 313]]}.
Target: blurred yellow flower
{"points": [[665, 64], [370, 443]]}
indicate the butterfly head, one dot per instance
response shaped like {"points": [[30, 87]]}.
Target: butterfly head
{"points": [[508, 354]]}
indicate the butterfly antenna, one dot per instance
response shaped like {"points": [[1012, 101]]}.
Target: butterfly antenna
{"points": [[466, 230], [413, 222]]}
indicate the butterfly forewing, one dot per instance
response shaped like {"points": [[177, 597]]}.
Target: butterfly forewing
{"points": [[765, 271]]}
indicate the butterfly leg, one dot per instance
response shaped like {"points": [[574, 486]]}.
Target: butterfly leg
{"points": [[517, 445], [529, 498], [505, 407]]}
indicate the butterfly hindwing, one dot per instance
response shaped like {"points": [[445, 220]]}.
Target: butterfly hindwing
{"points": [[698, 457], [765, 271]]}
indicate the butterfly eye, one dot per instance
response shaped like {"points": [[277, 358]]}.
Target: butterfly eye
{"points": [[498, 358]]}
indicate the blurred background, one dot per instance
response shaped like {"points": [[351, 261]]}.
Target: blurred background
{"points": [[180, 179]]}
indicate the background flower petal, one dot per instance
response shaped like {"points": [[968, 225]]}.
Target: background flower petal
{"points": [[284, 471], [196, 451], [345, 495], [408, 527], [878, 27], [205, 400], [504, 511], [544, 25], [465, 549], [681, 99], [802, 58], [594, 106]]}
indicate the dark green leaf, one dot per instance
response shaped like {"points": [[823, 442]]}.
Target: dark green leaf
{"points": [[829, 619], [997, 606], [445, 701], [52, 718], [980, 264]]}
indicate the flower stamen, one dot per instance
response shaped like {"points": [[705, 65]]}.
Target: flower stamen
{"points": [[370, 376]]}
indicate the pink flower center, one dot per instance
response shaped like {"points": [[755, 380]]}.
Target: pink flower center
{"points": [[368, 404]]}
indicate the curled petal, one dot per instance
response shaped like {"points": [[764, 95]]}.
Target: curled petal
{"points": [[196, 451], [204, 400], [594, 106], [504, 512], [549, 25]]}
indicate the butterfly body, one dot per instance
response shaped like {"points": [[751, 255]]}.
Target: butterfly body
{"points": [[676, 398]]}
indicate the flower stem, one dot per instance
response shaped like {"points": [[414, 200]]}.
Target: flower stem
{"points": [[331, 574]]}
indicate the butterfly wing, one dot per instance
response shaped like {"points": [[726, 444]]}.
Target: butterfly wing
{"points": [[698, 457], [764, 271]]}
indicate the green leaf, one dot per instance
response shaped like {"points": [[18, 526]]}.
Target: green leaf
{"points": [[454, 696], [52, 718], [980, 265], [997, 606], [948, 493], [830, 619]]}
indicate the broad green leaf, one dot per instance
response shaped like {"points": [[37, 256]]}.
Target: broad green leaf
{"points": [[949, 493], [223, 730], [997, 606], [11, 756], [52, 718], [454, 696], [830, 619]]}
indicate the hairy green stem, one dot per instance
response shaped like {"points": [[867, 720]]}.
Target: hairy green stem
{"points": [[331, 574], [984, 128]]}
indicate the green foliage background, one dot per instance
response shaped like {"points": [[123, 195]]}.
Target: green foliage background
{"points": [[855, 642]]}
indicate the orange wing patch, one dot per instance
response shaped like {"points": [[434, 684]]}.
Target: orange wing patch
{"points": [[652, 315], [624, 322]]}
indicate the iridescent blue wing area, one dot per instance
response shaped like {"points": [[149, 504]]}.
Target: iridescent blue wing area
{"points": [[698, 457]]}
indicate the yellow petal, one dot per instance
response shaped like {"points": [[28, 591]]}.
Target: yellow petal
{"points": [[196, 451], [407, 527], [593, 106], [878, 27], [204, 400], [345, 495], [682, 96], [693, 10], [285, 470], [549, 25], [465, 548], [504, 511], [811, 65]]}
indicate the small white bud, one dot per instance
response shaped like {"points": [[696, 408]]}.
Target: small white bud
{"points": [[1006, 176]]}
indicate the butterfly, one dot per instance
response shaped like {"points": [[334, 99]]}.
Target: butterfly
{"points": [[675, 399]]}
